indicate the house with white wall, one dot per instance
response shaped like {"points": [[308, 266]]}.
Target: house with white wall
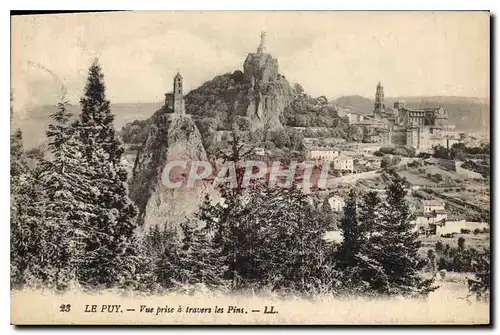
{"points": [[336, 203]]}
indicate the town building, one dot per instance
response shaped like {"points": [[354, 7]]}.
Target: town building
{"points": [[372, 162], [371, 137], [447, 131], [460, 227], [355, 118], [421, 128], [343, 163], [434, 216], [380, 135], [343, 111], [433, 205], [356, 148], [324, 154], [259, 151], [449, 227], [435, 221], [370, 122], [337, 204], [418, 138]]}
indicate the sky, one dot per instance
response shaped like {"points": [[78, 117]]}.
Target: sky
{"points": [[328, 53]]}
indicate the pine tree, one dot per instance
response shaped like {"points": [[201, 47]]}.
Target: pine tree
{"points": [[369, 213], [271, 238], [65, 206], [24, 237], [200, 261], [481, 284], [431, 262], [362, 272], [461, 244], [209, 214], [399, 240], [351, 232], [111, 243], [95, 125], [162, 248], [229, 233], [369, 218], [25, 233], [282, 245], [327, 214]]}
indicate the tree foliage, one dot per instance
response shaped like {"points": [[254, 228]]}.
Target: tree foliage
{"points": [[72, 218], [110, 241], [64, 204], [24, 236], [379, 251], [481, 284], [400, 244]]}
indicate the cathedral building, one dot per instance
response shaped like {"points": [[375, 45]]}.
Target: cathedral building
{"points": [[425, 127], [420, 128], [429, 117]]}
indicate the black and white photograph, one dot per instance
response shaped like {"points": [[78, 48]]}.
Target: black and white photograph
{"points": [[250, 168]]}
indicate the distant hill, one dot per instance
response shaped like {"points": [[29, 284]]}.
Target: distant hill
{"points": [[467, 113], [36, 119], [356, 103]]}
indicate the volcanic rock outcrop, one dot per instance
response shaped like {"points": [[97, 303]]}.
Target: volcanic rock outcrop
{"points": [[170, 137], [255, 97]]}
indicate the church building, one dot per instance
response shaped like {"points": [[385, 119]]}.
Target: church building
{"points": [[175, 101]]}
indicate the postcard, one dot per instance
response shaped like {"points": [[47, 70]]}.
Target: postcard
{"points": [[250, 168]]}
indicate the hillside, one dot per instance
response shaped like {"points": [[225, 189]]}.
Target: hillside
{"points": [[356, 103]]}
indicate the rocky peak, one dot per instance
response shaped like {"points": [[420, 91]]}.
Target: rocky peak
{"points": [[170, 137], [270, 92]]}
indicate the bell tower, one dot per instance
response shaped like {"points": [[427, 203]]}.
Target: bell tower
{"points": [[379, 100], [178, 97]]}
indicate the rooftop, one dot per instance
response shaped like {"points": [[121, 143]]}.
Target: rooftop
{"points": [[435, 212], [342, 157], [321, 148], [422, 109], [433, 203]]}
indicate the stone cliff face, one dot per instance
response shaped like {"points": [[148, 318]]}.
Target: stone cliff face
{"points": [[269, 94], [255, 97], [170, 137], [260, 67]]}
